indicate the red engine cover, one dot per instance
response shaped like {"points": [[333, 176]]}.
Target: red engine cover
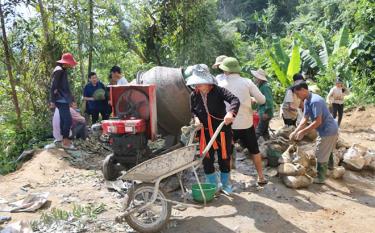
{"points": [[124, 126]]}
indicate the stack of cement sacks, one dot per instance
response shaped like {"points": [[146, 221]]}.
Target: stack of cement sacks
{"points": [[297, 168], [357, 158]]}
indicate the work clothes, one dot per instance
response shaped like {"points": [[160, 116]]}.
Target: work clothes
{"points": [[289, 108], [338, 110], [247, 139], [315, 106], [60, 90], [65, 119], [244, 89], [265, 111], [210, 109]]}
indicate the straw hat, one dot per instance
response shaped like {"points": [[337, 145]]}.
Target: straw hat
{"points": [[259, 74], [218, 61], [200, 75]]}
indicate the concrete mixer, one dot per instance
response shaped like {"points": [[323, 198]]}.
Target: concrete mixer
{"points": [[157, 104]]}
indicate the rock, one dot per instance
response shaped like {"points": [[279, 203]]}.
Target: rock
{"points": [[301, 158], [361, 109], [296, 182], [285, 131], [341, 143], [338, 172], [353, 158], [289, 169], [170, 184]]}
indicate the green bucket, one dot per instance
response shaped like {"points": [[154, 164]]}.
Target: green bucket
{"points": [[273, 156], [209, 191]]}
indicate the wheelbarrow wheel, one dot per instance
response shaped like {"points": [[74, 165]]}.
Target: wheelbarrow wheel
{"points": [[110, 171], [154, 217]]}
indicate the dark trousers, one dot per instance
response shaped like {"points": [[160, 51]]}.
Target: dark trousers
{"points": [[224, 164], [262, 128], [290, 122], [80, 131], [338, 109], [65, 119], [95, 115]]}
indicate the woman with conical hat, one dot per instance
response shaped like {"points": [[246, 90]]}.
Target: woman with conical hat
{"points": [[209, 110]]}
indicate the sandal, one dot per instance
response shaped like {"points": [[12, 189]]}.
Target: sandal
{"points": [[70, 147], [262, 182]]}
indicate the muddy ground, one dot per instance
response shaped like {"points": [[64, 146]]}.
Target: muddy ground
{"points": [[346, 205]]}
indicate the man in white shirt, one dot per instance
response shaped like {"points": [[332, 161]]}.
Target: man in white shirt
{"points": [[336, 99], [117, 76], [218, 61], [291, 104], [243, 129]]}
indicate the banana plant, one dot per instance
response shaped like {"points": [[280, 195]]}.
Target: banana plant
{"points": [[283, 66]]}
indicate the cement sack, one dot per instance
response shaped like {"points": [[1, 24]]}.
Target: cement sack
{"points": [[297, 182], [286, 157], [301, 158], [338, 172], [354, 157], [289, 169], [311, 136], [371, 166]]}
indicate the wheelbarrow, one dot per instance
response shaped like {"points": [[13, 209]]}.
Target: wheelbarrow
{"points": [[147, 209]]}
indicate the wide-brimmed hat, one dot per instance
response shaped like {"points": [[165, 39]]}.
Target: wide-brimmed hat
{"points": [[218, 61], [230, 64], [200, 75], [67, 58], [259, 74]]}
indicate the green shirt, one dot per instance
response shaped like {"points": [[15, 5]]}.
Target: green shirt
{"points": [[268, 106]]}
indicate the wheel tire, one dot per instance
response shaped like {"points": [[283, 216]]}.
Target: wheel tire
{"points": [[109, 169], [167, 208]]}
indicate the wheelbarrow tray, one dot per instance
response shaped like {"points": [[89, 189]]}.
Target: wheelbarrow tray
{"points": [[150, 170]]}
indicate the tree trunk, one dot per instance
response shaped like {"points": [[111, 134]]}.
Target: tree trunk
{"points": [[9, 69], [80, 39], [91, 9], [46, 32]]}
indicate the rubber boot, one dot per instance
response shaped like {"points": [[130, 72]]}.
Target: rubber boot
{"points": [[212, 179], [322, 172], [226, 185], [331, 162]]}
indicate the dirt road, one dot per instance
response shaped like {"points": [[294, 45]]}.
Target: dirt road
{"points": [[346, 205]]}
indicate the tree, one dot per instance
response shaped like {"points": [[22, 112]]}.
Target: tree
{"points": [[8, 63], [91, 38]]}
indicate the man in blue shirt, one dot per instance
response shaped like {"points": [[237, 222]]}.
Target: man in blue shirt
{"points": [[315, 108], [94, 94]]}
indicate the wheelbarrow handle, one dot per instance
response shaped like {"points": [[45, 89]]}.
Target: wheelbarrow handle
{"points": [[213, 138]]}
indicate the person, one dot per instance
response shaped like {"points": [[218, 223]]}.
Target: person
{"points": [[209, 110], [336, 99], [243, 129], [79, 128], [265, 110], [61, 96], [291, 104], [117, 76], [56, 127], [218, 62], [315, 108], [95, 95]]}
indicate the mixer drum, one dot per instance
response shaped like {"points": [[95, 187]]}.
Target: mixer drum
{"points": [[172, 98]]}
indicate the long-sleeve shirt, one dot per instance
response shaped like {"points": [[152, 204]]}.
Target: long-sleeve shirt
{"points": [[268, 106], [76, 117], [216, 99], [244, 89], [60, 90], [336, 95]]}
